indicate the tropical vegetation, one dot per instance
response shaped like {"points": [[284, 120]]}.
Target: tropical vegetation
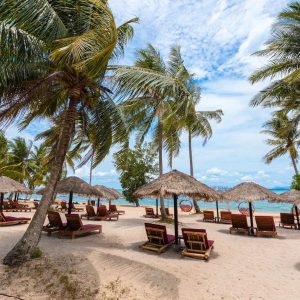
{"points": [[53, 65], [283, 70], [137, 167]]}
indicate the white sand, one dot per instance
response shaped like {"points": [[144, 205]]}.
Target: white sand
{"points": [[240, 267]]}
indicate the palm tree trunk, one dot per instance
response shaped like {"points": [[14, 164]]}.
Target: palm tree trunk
{"points": [[91, 174], [160, 150], [294, 165], [26, 246], [195, 203]]}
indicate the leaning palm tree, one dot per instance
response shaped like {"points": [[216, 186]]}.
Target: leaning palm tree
{"points": [[282, 50], [151, 88], [52, 63], [285, 138]]}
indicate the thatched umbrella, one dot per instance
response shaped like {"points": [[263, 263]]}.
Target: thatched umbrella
{"points": [[74, 185], [250, 191], [108, 193], [174, 184], [8, 185], [291, 197]]}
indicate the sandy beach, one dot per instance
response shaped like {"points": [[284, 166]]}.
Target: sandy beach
{"points": [[240, 267]]}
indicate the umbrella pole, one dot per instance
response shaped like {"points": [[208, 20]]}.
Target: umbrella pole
{"points": [[1, 201], [217, 206], [156, 203], [175, 197], [98, 202], [70, 203], [297, 215], [251, 217]]}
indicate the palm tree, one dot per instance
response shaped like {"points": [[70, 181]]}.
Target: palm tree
{"points": [[54, 64], [283, 51], [20, 156], [285, 138], [151, 88]]}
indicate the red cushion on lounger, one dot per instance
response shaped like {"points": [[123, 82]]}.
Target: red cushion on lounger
{"points": [[8, 218], [210, 243], [170, 238]]}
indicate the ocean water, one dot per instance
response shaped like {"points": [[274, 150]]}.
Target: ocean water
{"points": [[259, 206]]}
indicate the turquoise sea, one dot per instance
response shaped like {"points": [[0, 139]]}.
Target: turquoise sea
{"points": [[260, 206]]}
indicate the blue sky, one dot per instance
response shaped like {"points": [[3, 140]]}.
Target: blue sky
{"points": [[217, 39]]}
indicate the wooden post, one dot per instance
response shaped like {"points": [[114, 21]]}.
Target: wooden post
{"points": [[217, 205], [70, 203], [156, 206], [297, 216], [175, 197], [251, 217], [1, 201], [98, 202]]}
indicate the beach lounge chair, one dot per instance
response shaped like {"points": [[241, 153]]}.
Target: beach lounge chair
{"points": [[36, 205], [75, 227], [225, 217], [209, 216], [158, 239], [265, 226], [90, 214], [113, 209], [7, 220], [19, 207], [150, 213], [63, 206], [196, 243], [104, 214], [7, 206], [55, 223], [78, 209], [239, 223], [287, 220]]}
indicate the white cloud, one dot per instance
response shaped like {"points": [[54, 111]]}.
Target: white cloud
{"points": [[247, 178], [216, 171]]}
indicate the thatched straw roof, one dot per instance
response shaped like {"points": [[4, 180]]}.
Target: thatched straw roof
{"points": [[75, 185], [250, 191], [108, 193], [8, 185], [292, 197], [177, 183]]}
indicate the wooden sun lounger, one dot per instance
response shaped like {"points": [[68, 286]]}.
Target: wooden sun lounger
{"points": [[36, 204], [19, 207], [150, 213], [105, 215], [7, 206], [90, 214], [55, 223], [78, 209], [158, 239], [287, 220], [239, 224], [76, 228], [63, 206], [225, 217], [265, 226], [113, 209], [8, 221], [209, 216], [196, 243]]}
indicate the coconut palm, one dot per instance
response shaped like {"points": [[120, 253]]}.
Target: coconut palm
{"points": [[151, 89], [285, 138], [53, 63], [282, 50]]}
